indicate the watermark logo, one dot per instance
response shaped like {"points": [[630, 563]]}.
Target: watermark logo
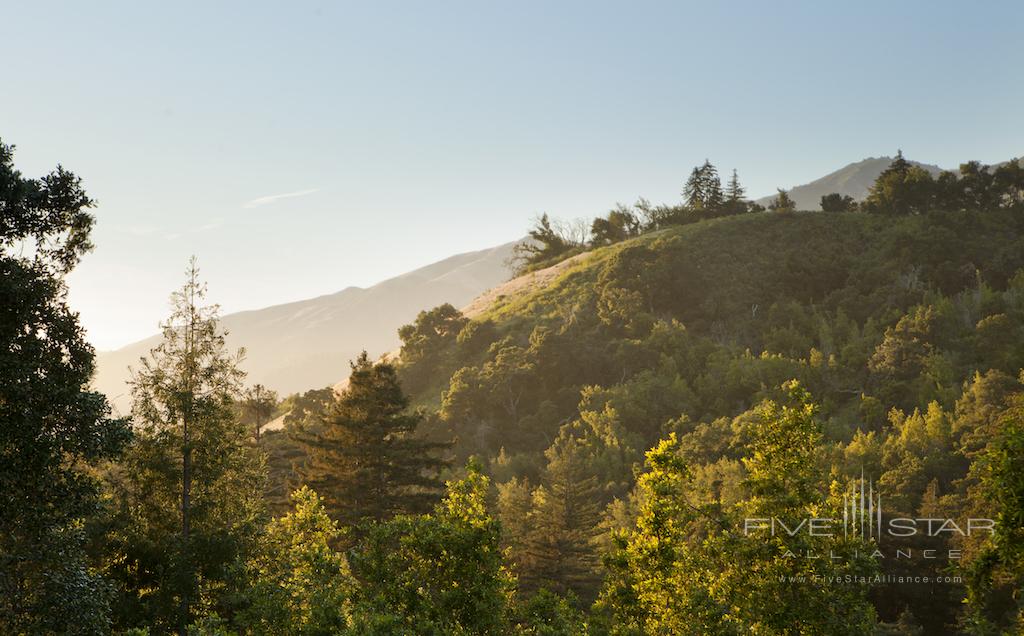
{"points": [[863, 517], [862, 511]]}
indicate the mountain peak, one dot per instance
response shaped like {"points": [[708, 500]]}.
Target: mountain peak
{"points": [[854, 180]]}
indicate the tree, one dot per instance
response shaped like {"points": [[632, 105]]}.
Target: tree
{"points": [[641, 592], [619, 225], [735, 201], [686, 567], [703, 190], [902, 188], [782, 202], [431, 331], [51, 426], [297, 583], [996, 577], [366, 462], [734, 192], [429, 340], [558, 550], [258, 404], [440, 573], [187, 500], [548, 240], [836, 202]]}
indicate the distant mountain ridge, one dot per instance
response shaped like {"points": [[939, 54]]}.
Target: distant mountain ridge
{"points": [[854, 180], [307, 344]]}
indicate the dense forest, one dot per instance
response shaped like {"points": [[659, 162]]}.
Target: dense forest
{"points": [[607, 453]]}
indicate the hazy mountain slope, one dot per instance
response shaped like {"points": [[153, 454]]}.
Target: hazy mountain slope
{"points": [[307, 344], [853, 180]]}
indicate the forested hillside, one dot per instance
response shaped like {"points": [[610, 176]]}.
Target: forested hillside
{"points": [[700, 425], [907, 331]]}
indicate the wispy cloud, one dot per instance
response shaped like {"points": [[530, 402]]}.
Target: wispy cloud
{"points": [[257, 202], [215, 224]]}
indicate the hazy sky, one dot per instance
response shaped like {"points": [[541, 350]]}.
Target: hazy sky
{"points": [[299, 148]]}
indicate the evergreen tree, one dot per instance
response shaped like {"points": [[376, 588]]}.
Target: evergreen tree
{"points": [[51, 425], [513, 507], [692, 193], [559, 552], [258, 404], [712, 186], [735, 201], [734, 192], [187, 500], [703, 190], [366, 461]]}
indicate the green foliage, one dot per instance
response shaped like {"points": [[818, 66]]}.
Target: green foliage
{"points": [[782, 202], [558, 549], [997, 576], [836, 202], [297, 583], [434, 574], [681, 332], [703, 190], [619, 225], [548, 614], [693, 569], [257, 407], [185, 503], [869, 312], [365, 460], [902, 188], [905, 188], [547, 243], [52, 428]]}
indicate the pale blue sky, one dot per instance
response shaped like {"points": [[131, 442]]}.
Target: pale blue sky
{"points": [[409, 131]]}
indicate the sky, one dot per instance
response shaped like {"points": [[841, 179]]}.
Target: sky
{"points": [[300, 148]]}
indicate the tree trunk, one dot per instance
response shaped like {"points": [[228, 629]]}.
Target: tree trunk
{"points": [[186, 504]]}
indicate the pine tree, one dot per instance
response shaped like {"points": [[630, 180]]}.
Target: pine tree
{"points": [[693, 192], [51, 426], [559, 553], [703, 190], [734, 192], [258, 404], [899, 165], [189, 491], [712, 186], [366, 462], [513, 504]]}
